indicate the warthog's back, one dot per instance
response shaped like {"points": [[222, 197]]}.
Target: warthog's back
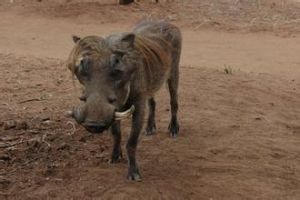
{"points": [[160, 45], [159, 29]]}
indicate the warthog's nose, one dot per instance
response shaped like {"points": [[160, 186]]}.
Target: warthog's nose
{"points": [[77, 114], [95, 127]]}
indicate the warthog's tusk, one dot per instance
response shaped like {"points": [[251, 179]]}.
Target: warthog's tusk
{"points": [[69, 113], [125, 114]]}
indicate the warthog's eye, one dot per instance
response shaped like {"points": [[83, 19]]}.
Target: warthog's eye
{"points": [[82, 68], [116, 66], [116, 74], [115, 60]]}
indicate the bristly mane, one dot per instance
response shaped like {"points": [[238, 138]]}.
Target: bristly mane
{"points": [[153, 50], [91, 45]]}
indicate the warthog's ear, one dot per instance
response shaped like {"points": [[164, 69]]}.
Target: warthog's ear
{"points": [[128, 39], [75, 38]]}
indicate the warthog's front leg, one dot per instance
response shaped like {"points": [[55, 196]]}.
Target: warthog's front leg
{"points": [[151, 126], [116, 152], [137, 124]]}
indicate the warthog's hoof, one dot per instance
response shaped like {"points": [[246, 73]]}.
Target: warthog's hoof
{"points": [[116, 157], [174, 129], [134, 175], [150, 130], [114, 160]]}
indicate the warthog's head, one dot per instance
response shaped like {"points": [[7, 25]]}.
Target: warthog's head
{"points": [[104, 67]]}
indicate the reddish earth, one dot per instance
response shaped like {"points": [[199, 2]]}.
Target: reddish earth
{"points": [[239, 104]]}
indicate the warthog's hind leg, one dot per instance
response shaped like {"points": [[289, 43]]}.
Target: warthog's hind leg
{"points": [[151, 126], [173, 87], [137, 124], [117, 151]]}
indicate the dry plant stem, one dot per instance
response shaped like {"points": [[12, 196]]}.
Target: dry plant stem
{"points": [[6, 145], [11, 144], [29, 100], [73, 128]]}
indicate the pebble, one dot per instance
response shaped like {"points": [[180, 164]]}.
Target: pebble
{"points": [[5, 157], [15, 124], [64, 146]]}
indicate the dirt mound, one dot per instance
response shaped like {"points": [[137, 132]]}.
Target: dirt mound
{"points": [[253, 16], [239, 139]]}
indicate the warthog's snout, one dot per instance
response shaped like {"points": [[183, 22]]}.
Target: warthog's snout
{"points": [[95, 127], [79, 114]]}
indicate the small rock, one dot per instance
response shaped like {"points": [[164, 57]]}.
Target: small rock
{"points": [[51, 137], [100, 155], [82, 139], [34, 144], [22, 125], [4, 183], [44, 118], [172, 17], [9, 124], [64, 146], [14, 124], [47, 122], [5, 157], [59, 81]]}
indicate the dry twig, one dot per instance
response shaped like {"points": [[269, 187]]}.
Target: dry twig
{"points": [[29, 100], [73, 127]]}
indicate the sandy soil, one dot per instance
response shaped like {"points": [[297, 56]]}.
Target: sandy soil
{"points": [[240, 130]]}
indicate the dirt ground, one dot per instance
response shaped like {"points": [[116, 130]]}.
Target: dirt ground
{"points": [[239, 104]]}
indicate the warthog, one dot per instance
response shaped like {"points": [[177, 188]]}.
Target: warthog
{"points": [[119, 74]]}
